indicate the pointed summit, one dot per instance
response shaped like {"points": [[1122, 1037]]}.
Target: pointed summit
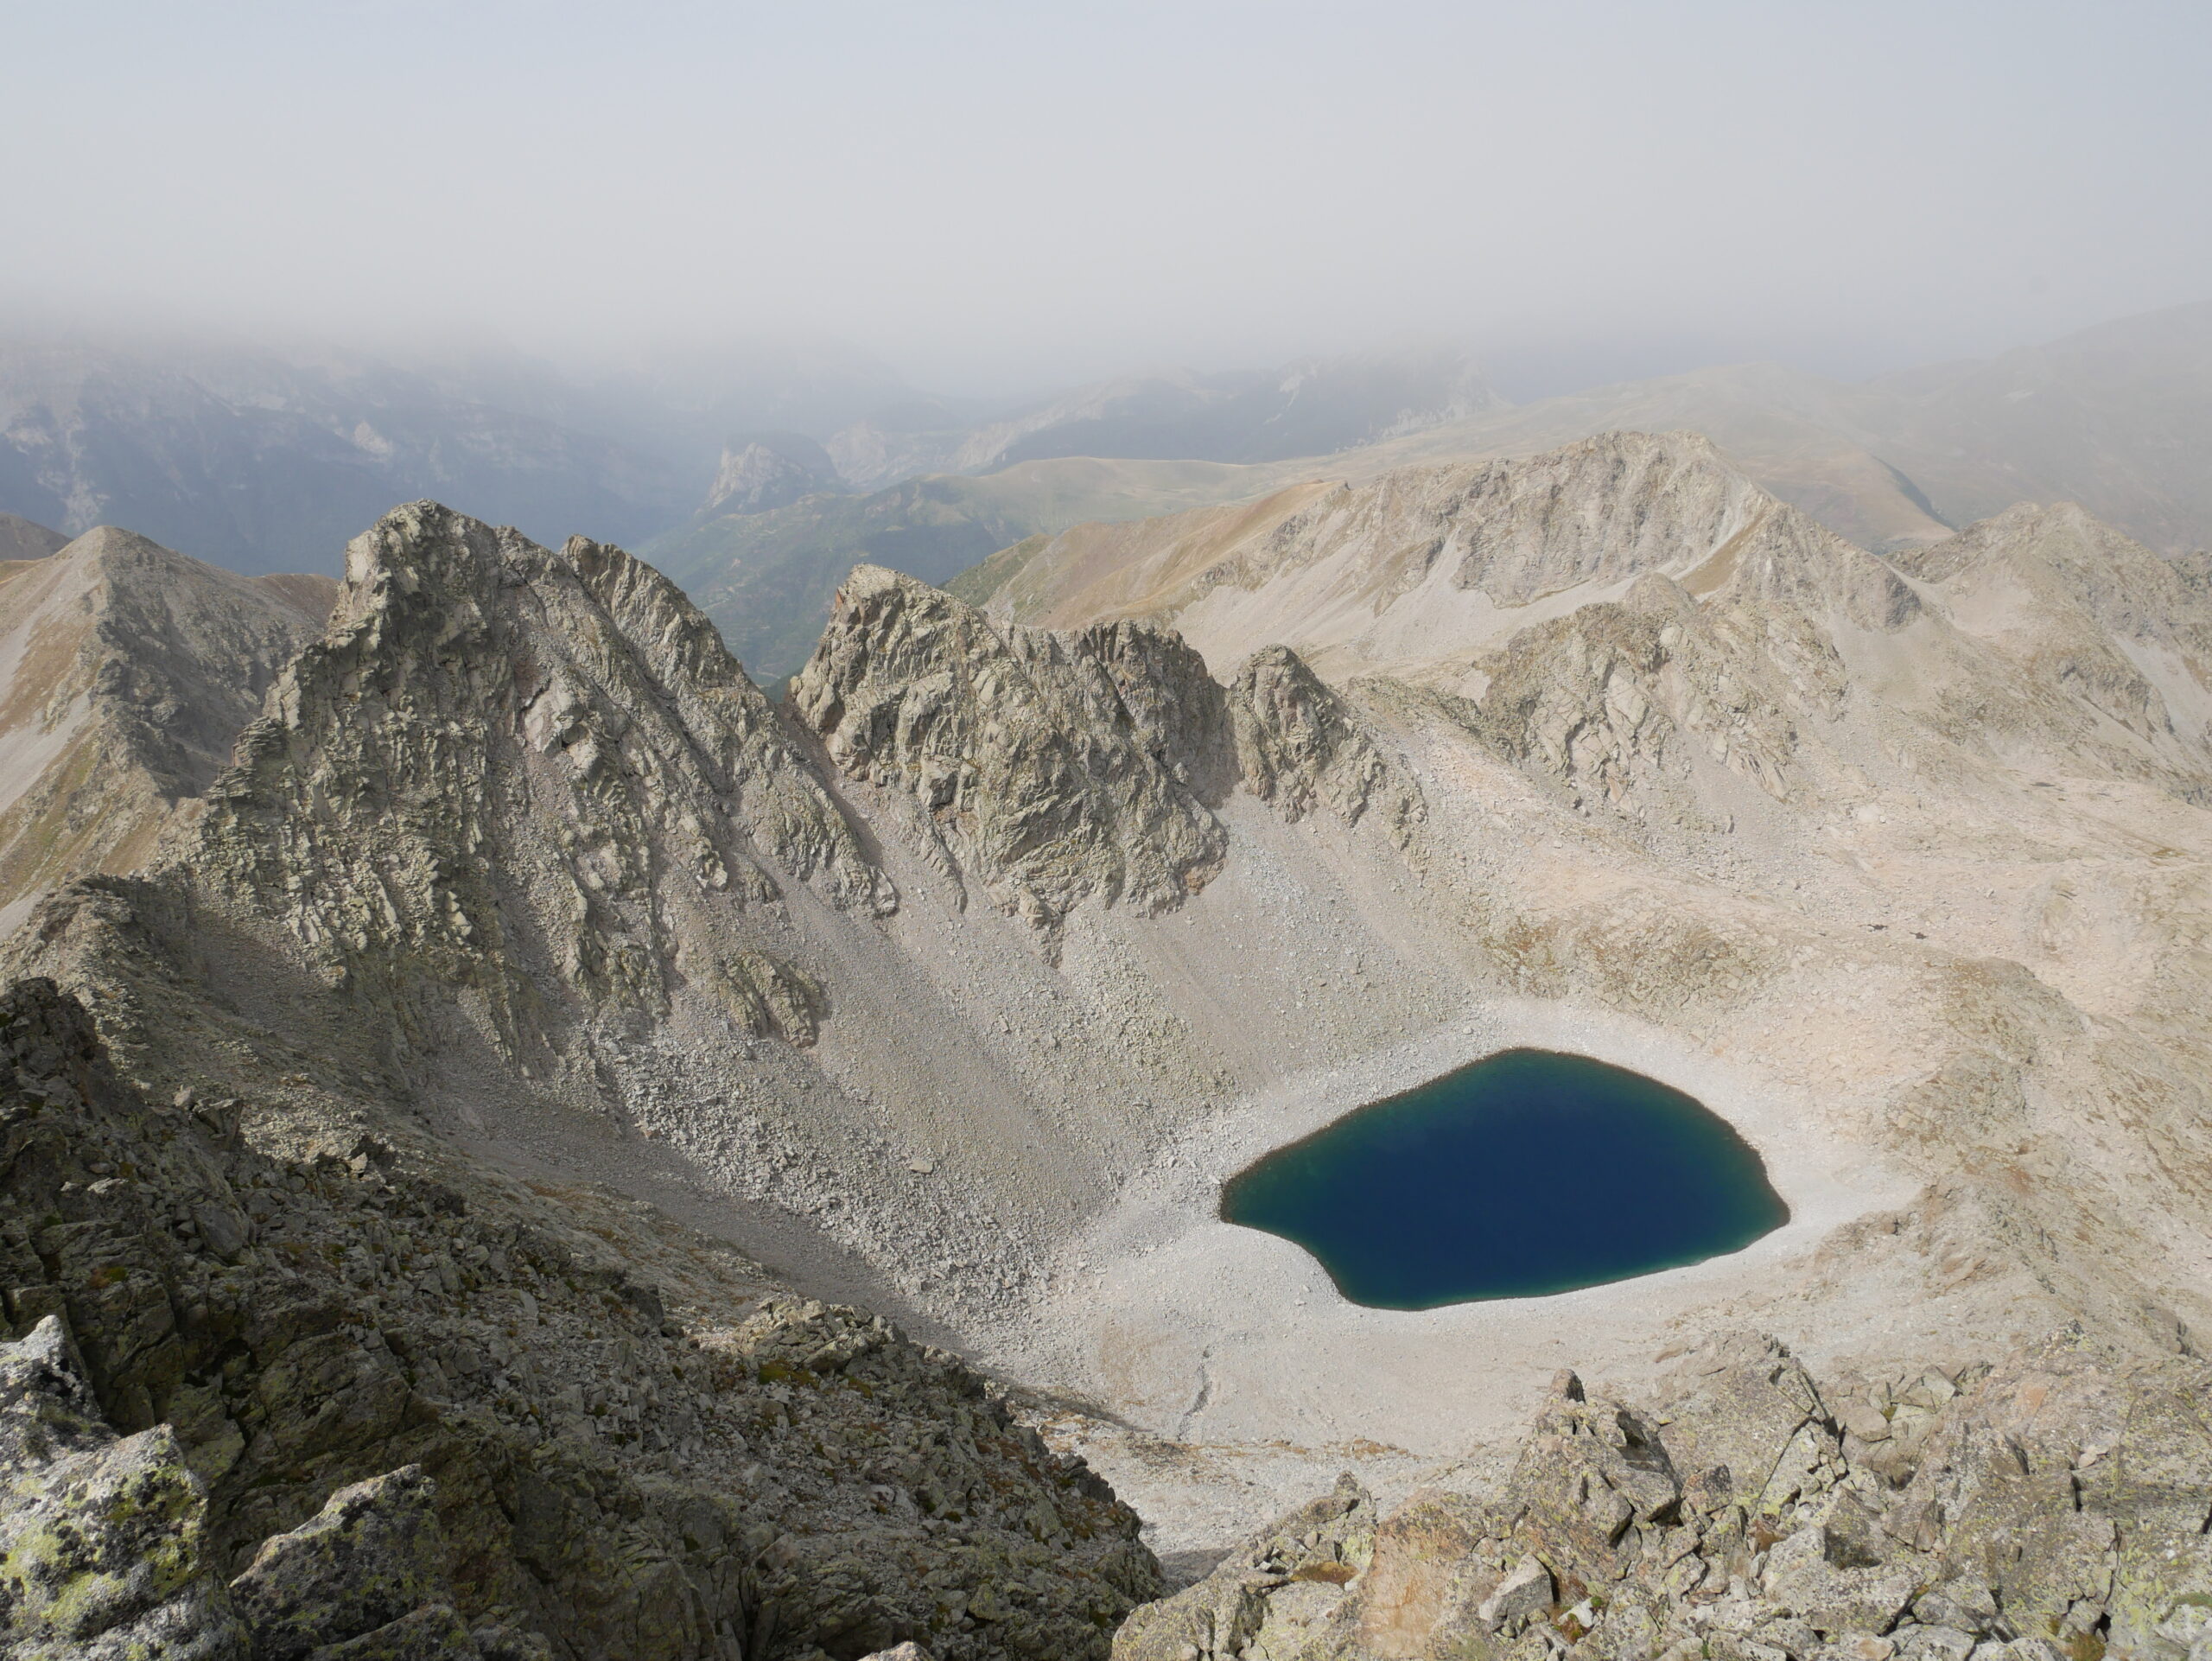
{"points": [[535, 772], [129, 671]]}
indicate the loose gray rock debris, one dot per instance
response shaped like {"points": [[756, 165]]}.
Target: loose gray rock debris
{"points": [[2053, 1506], [337, 1410]]}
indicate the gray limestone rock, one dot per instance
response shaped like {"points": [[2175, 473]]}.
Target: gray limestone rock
{"points": [[2028, 1530], [1040, 777]]}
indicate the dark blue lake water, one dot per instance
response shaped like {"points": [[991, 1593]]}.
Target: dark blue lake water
{"points": [[1527, 1173]]}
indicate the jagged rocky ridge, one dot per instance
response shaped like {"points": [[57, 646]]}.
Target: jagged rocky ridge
{"points": [[742, 1475], [1059, 767], [371, 929], [2051, 1507], [1630, 617], [501, 762], [357, 912], [519, 835]]}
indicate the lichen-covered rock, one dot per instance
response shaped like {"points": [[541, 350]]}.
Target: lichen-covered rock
{"points": [[1743, 1421], [433, 1632], [373, 1553], [104, 1549], [1590, 1473], [1526, 1591]]}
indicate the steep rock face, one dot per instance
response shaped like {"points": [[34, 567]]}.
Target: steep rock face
{"points": [[738, 1476], [1038, 776], [534, 773], [126, 671], [1607, 508], [1298, 748], [1059, 768], [1615, 698], [772, 471], [2049, 1505]]}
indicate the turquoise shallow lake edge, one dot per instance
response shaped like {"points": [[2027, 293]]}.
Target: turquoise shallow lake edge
{"points": [[1524, 1174]]}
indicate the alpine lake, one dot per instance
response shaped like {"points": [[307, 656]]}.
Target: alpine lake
{"points": [[1527, 1173]]}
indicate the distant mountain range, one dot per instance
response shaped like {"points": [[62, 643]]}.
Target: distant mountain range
{"points": [[1308, 407], [758, 481], [261, 460], [2117, 419]]}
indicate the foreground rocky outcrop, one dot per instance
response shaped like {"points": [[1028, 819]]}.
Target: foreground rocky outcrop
{"points": [[2052, 1506], [553, 1463], [104, 1549]]}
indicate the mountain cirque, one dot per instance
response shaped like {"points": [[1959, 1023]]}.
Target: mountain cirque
{"points": [[952, 986]]}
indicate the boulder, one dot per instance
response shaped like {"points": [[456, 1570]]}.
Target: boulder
{"points": [[1522, 1595], [103, 1548], [372, 1555]]}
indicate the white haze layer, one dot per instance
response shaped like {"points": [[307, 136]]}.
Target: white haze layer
{"points": [[996, 197]]}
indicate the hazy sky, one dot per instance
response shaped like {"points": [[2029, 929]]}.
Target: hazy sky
{"points": [[994, 196]]}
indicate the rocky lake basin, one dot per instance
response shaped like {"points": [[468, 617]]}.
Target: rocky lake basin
{"points": [[1527, 1173]]}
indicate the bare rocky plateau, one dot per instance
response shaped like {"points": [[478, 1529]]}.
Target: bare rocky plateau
{"points": [[573, 1040]]}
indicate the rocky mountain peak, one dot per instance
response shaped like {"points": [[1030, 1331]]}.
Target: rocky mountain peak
{"points": [[520, 767], [1059, 767], [1595, 511], [21, 539], [1039, 778], [771, 471], [1300, 747], [128, 670]]}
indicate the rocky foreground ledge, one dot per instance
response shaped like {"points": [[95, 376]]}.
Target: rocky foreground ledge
{"points": [[341, 1410], [261, 1411], [2055, 1507]]}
